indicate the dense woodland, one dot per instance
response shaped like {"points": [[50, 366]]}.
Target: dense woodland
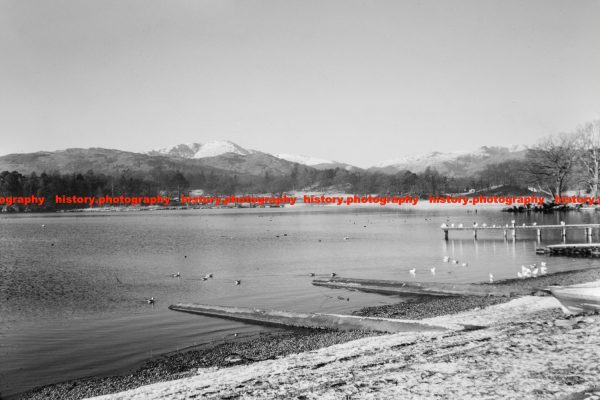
{"points": [[556, 164], [301, 178]]}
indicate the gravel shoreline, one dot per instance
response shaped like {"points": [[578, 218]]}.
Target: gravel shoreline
{"points": [[276, 344]]}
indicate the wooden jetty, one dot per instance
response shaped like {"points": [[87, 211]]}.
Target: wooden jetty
{"points": [[513, 228], [572, 249], [309, 320], [415, 288]]}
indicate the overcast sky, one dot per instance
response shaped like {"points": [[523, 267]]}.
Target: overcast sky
{"points": [[355, 81]]}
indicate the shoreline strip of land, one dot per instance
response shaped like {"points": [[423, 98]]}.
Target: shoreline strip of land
{"points": [[519, 328]]}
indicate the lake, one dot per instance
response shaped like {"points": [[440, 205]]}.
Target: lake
{"points": [[72, 292]]}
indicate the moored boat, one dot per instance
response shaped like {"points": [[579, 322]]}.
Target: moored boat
{"points": [[578, 298]]}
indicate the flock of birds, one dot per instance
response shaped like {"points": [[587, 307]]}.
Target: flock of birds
{"points": [[484, 225], [206, 277], [446, 259], [531, 271], [236, 282]]}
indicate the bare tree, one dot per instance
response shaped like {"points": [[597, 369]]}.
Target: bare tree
{"points": [[588, 143], [551, 163]]}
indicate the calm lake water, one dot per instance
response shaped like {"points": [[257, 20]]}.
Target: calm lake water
{"points": [[72, 293]]}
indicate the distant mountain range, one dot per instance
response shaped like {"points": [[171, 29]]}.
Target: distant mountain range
{"points": [[220, 147], [457, 164], [231, 158]]}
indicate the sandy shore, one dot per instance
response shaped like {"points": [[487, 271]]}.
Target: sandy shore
{"points": [[525, 331]]}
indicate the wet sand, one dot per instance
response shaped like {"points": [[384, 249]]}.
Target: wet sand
{"points": [[272, 346]]}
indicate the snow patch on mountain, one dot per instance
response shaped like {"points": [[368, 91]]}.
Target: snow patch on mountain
{"points": [[306, 160], [218, 147]]}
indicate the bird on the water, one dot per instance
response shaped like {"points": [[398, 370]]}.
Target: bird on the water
{"points": [[150, 300], [432, 271], [413, 272], [238, 282]]}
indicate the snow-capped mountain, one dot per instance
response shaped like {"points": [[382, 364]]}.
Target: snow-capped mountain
{"points": [[227, 156], [457, 163], [217, 148], [197, 150], [423, 159]]}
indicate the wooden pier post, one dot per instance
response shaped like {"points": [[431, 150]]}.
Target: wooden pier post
{"points": [[475, 233], [445, 234], [505, 234], [514, 229]]}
